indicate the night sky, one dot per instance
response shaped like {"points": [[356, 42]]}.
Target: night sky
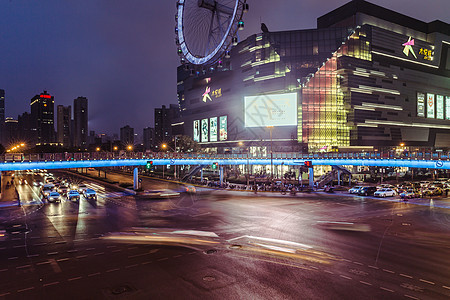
{"points": [[121, 54]]}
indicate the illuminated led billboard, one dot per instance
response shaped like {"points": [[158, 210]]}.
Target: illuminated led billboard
{"points": [[213, 129], [196, 134], [271, 110], [430, 106], [447, 107], [439, 107], [224, 128], [204, 130], [420, 104]]}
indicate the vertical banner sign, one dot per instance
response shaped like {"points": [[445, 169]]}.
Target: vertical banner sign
{"points": [[447, 107], [439, 107], [224, 130], [205, 130], [196, 136], [420, 104], [430, 106], [213, 129]]}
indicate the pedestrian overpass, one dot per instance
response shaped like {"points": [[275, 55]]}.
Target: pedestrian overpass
{"points": [[425, 160]]}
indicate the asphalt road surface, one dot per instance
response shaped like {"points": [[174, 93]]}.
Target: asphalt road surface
{"points": [[223, 245]]}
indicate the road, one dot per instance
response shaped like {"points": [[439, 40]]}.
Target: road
{"points": [[222, 244]]}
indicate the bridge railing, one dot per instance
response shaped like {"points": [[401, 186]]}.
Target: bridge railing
{"points": [[80, 156]]}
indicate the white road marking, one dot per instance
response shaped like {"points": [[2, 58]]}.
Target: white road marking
{"points": [[273, 241], [412, 297], [404, 275], [43, 263], [52, 253], [27, 289], [62, 259], [22, 267], [426, 281], [94, 274], [52, 283], [164, 258], [81, 256], [75, 278], [32, 255], [357, 263], [326, 271], [14, 257], [386, 289], [5, 294], [131, 266], [373, 267], [389, 271], [346, 277], [446, 287], [113, 270], [366, 283], [99, 253]]}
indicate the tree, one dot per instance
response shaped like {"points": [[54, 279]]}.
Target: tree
{"points": [[187, 144]]}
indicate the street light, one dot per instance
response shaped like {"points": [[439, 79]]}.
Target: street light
{"points": [[130, 147], [115, 148], [271, 157], [97, 149]]}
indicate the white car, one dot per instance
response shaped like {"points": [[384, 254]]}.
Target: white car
{"points": [[73, 195], [90, 194], [385, 186], [81, 188], [53, 197], [355, 189], [385, 193]]}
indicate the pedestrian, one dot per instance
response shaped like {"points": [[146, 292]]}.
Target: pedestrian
{"points": [[446, 192]]}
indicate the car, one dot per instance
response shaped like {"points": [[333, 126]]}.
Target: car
{"points": [[63, 190], [46, 190], [73, 195], [161, 194], [367, 190], [385, 186], [90, 194], [355, 189], [432, 191], [53, 197], [409, 194], [190, 189], [82, 187], [386, 192]]}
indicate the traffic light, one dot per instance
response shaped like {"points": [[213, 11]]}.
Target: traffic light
{"points": [[215, 165], [149, 164], [308, 164]]}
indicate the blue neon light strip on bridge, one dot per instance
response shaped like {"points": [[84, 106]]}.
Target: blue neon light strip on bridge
{"points": [[429, 164]]}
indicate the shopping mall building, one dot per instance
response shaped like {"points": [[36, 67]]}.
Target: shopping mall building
{"points": [[367, 77]]}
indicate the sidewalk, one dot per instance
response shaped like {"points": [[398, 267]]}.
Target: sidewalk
{"points": [[9, 194]]}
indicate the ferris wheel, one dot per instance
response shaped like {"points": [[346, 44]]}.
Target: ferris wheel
{"points": [[206, 29]]}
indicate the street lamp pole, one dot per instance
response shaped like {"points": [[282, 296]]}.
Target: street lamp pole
{"points": [[271, 158]]}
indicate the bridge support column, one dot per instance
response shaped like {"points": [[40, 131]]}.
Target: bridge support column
{"points": [[135, 179], [201, 174], [339, 177], [221, 175], [311, 177]]}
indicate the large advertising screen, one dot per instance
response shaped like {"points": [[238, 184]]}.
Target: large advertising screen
{"points": [[447, 107], [430, 106], [224, 127], [271, 110], [204, 130], [439, 107], [196, 134], [213, 129], [420, 104]]}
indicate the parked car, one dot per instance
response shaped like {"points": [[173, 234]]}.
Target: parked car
{"points": [[367, 190], [385, 186], [409, 194], [73, 195], [387, 192], [90, 194], [53, 197], [432, 191], [355, 189]]}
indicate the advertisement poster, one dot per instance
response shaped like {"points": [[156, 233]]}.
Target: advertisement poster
{"points": [[439, 107], [420, 104], [447, 107], [196, 136], [205, 130], [213, 129], [224, 129], [430, 106], [270, 110]]}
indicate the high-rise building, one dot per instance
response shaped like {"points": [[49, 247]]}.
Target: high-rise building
{"points": [[11, 131], [366, 77], [25, 127], [127, 135], [163, 122], [43, 119], [148, 138], [80, 118], [63, 126], [2, 116]]}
